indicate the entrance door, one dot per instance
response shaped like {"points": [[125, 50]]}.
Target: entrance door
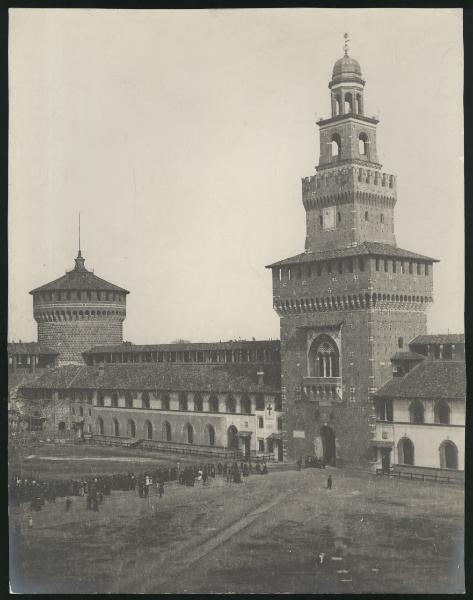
{"points": [[328, 445], [232, 435], [280, 453], [385, 459], [247, 447]]}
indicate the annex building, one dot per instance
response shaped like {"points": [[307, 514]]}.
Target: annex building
{"points": [[347, 304]]}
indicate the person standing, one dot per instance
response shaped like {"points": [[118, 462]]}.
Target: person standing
{"points": [[329, 482], [161, 488]]}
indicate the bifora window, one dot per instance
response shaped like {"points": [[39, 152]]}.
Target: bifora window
{"points": [[323, 357]]}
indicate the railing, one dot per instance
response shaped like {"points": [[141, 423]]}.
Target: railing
{"points": [[411, 476], [169, 447]]}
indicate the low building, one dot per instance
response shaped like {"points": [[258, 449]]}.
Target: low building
{"points": [[421, 411], [210, 406]]}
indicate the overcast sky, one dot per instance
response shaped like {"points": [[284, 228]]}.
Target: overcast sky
{"points": [[182, 137]]}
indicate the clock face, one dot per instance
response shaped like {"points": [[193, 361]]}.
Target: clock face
{"points": [[329, 218]]}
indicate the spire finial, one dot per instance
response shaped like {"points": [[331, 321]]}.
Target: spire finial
{"points": [[79, 234], [79, 260], [345, 46]]}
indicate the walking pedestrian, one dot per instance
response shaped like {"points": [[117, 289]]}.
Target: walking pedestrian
{"points": [[329, 482], [161, 488]]}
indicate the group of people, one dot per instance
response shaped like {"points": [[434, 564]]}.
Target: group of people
{"points": [[310, 461], [37, 492]]}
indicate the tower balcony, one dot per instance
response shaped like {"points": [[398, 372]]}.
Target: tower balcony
{"points": [[324, 390]]}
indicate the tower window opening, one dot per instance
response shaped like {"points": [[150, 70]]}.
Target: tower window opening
{"points": [[410, 268], [363, 144], [89, 296], [348, 103], [386, 268], [321, 220], [309, 271], [336, 146], [381, 218], [366, 215], [339, 217], [337, 105], [403, 268], [298, 272], [359, 104]]}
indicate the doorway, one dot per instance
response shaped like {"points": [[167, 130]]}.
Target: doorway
{"points": [[328, 445], [385, 459], [232, 438]]}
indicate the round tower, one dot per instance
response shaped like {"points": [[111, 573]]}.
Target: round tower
{"points": [[78, 311]]}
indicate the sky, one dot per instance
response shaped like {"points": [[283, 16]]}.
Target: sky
{"points": [[182, 136]]}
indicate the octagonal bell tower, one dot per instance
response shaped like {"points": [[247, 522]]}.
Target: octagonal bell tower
{"points": [[78, 311]]}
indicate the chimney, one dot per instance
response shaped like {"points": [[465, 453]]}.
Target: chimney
{"points": [[260, 375]]}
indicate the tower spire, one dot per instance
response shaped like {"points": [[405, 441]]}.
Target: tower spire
{"points": [[345, 45], [79, 260]]}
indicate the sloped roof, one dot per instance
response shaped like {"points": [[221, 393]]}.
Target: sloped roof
{"points": [[444, 338], [406, 355], [365, 248], [29, 348], [429, 379], [162, 376], [79, 279], [178, 347]]}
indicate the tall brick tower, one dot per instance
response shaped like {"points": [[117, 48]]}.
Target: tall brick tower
{"points": [[353, 298], [77, 311]]}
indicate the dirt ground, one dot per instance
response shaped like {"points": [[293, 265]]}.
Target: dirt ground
{"points": [[265, 535]]}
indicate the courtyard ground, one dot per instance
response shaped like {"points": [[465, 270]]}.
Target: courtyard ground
{"points": [[263, 536]]}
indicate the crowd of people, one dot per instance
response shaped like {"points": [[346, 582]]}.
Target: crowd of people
{"points": [[310, 461], [37, 492]]}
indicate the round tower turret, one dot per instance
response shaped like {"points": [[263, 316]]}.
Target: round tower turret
{"points": [[78, 311]]}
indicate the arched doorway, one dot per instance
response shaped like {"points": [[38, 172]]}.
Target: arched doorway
{"points": [[405, 452], [131, 429], [232, 435], [189, 433], [148, 430], [328, 445], [61, 426], [448, 455], [167, 434], [210, 435], [116, 427], [100, 427]]}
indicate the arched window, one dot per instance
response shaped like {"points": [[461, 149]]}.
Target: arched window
{"points": [[213, 403], [363, 144], [100, 399], [100, 427], [189, 433], [230, 404], [336, 145], [183, 405], [323, 357], [131, 428], [400, 342], [116, 427], [148, 430], [348, 103], [384, 410], [337, 105], [416, 411], [405, 450], [115, 400], [442, 413], [448, 455], [81, 411], [245, 405], [210, 435], [167, 434], [198, 403], [128, 400], [366, 215], [166, 402], [145, 402], [232, 438], [381, 218]]}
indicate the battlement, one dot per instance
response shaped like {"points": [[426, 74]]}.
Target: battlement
{"points": [[350, 178]]}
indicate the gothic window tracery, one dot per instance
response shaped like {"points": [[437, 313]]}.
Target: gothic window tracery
{"points": [[324, 357]]}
